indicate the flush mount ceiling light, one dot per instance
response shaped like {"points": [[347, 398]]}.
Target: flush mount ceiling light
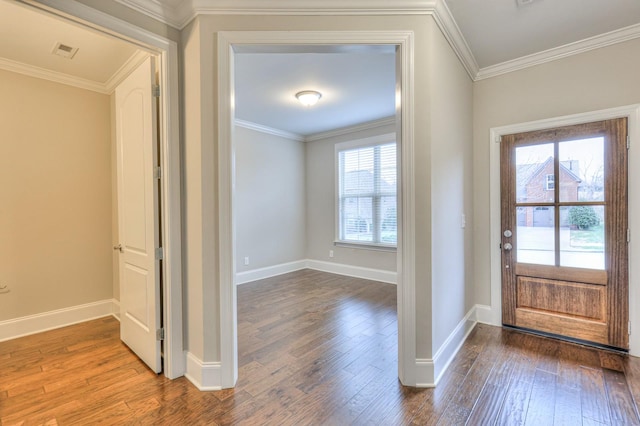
{"points": [[308, 97]]}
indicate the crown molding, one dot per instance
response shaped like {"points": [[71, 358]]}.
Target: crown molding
{"points": [[175, 17], [54, 76], [70, 80], [452, 33], [131, 64], [269, 130], [596, 42], [351, 129], [316, 136], [179, 17]]}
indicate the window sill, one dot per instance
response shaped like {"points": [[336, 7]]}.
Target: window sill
{"points": [[365, 246]]}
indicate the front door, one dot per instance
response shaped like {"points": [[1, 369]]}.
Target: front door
{"points": [[138, 213], [564, 225]]}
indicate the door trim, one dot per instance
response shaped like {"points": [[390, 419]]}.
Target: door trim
{"points": [[406, 203], [632, 112], [169, 132]]}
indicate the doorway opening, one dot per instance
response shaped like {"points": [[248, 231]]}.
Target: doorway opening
{"points": [[228, 43], [315, 187], [168, 130]]}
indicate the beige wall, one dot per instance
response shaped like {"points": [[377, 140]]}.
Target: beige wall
{"points": [[115, 237], [55, 192], [201, 144], [321, 206], [270, 199], [451, 190], [285, 202], [595, 80]]}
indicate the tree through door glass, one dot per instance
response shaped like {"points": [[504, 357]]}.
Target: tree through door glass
{"points": [[560, 203]]}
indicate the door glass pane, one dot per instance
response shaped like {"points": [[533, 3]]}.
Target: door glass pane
{"points": [[582, 170], [536, 235], [534, 174], [582, 236]]}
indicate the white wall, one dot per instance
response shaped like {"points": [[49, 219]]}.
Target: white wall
{"points": [[55, 196], [270, 199], [321, 206], [595, 80]]}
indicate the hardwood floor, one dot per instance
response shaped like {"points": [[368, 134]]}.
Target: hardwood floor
{"points": [[317, 349]]}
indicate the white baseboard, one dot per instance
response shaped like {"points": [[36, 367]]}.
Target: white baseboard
{"points": [[318, 265], [486, 315], [206, 376], [32, 324], [430, 371], [115, 310], [425, 373], [269, 271], [389, 277]]}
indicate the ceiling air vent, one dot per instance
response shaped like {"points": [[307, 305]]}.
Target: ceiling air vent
{"points": [[524, 2], [64, 50]]}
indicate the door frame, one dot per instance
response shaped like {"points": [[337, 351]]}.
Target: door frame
{"points": [[169, 132], [226, 189], [632, 112]]}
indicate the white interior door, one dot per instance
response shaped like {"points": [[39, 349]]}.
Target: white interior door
{"points": [[138, 214]]}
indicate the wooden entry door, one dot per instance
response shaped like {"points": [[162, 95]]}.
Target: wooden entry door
{"points": [[564, 232]]}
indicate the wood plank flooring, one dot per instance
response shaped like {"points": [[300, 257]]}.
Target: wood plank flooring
{"points": [[317, 349]]}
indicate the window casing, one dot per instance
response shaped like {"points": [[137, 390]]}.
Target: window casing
{"points": [[367, 193]]}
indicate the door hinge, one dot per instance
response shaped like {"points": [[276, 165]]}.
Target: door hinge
{"points": [[155, 90], [498, 139], [159, 253], [628, 142], [158, 173], [629, 328], [160, 334], [628, 235]]}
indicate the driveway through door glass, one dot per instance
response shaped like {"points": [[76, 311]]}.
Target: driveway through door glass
{"points": [[564, 231]]}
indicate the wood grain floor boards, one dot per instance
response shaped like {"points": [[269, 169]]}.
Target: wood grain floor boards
{"points": [[594, 396], [317, 349]]}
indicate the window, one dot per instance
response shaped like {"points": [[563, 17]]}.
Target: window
{"points": [[367, 194], [550, 182]]}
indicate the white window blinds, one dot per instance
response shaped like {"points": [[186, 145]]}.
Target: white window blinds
{"points": [[367, 195]]}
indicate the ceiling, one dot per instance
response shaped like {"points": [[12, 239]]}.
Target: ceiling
{"points": [[357, 86], [499, 31], [27, 38], [358, 82]]}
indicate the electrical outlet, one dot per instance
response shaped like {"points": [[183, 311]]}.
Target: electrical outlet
{"points": [[330, 253], [246, 260]]}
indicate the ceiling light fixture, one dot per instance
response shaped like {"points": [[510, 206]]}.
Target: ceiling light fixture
{"points": [[308, 97]]}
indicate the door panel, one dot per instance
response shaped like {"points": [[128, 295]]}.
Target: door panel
{"points": [[564, 221], [138, 215]]}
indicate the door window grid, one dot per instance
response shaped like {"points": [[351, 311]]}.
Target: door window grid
{"points": [[567, 228]]}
